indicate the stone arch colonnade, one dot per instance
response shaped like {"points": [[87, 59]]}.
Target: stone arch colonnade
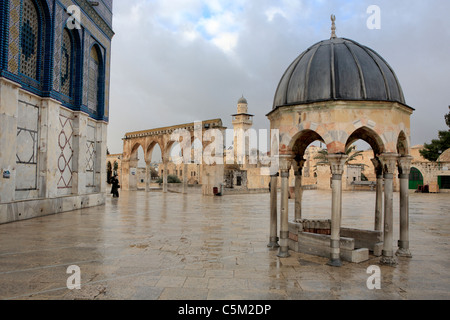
{"points": [[164, 138]]}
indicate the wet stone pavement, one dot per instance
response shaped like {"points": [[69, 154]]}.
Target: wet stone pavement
{"points": [[149, 246]]}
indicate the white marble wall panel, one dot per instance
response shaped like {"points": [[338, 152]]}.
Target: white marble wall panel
{"points": [[90, 155], [65, 160], [27, 146]]}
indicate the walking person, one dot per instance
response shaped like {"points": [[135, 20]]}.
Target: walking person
{"points": [[115, 186]]}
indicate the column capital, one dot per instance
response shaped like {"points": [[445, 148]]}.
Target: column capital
{"points": [[286, 162], [378, 166], [298, 164], [337, 163], [404, 165], [389, 162]]}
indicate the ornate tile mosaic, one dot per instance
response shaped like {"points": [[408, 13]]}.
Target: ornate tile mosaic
{"points": [[27, 58], [93, 81], [29, 44], [66, 64], [14, 36], [59, 11]]}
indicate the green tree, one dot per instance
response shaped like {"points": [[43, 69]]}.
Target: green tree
{"points": [[351, 152], [170, 179], [447, 118], [432, 151]]}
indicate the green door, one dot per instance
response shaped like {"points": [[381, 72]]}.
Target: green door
{"points": [[444, 182], [415, 179]]}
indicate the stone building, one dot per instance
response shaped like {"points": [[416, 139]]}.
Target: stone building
{"points": [[54, 105], [433, 176]]}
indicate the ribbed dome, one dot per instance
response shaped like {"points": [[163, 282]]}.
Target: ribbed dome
{"points": [[242, 100], [338, 69]]}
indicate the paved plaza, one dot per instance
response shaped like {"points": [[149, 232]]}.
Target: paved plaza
{"points": [[188, 247]]}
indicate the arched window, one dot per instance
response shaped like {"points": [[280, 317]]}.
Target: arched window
{"points": [[31, 44], [95, 81], [67, 64]]}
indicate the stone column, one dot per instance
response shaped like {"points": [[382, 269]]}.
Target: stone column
{"points": [[133, 178], [379, 195], [285, 166], [148, 176], [185, 178], [273, 240], [389, 161], [125, 173], [404, 167], [298, 169], [165, 177], [337, 163]]}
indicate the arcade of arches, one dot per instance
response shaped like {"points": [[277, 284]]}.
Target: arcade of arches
{"points": [[162, 137]]}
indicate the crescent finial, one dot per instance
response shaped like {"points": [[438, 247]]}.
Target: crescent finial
{"points": [[333, 27]]}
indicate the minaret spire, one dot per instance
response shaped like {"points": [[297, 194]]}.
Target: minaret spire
{"points": [[333, 27]]}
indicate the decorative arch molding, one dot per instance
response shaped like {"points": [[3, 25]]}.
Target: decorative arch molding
{"points": [[96, 81], [376, 142], [151, 147], [300, 142], [34, 47]]}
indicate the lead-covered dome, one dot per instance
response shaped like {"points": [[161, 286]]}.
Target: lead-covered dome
{"points": [[338, 69]]}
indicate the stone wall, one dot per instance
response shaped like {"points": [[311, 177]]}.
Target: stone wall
{"points": [[49, 155]]}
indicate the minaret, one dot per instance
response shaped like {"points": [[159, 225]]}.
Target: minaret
{"points": [[242, 121]]}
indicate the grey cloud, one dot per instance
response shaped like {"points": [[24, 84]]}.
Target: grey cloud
{"points": [[159, 78]]}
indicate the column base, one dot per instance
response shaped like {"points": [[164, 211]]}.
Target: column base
{"points": [[388, 261], [335, 263], [283, 253], [273, 243], [401, 252]]}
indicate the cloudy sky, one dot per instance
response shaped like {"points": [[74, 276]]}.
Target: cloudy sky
{"points": [[179, 61]]}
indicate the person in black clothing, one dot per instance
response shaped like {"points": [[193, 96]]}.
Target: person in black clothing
{"points": [[115, 186]]}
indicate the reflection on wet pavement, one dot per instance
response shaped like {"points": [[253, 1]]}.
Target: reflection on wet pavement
{"points": [[174, 246]]}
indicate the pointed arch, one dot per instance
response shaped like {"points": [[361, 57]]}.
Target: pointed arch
{"points": [[134, 150], [153, 146], [71, 61], [368, 135], [35, 44], [96, 82], [302, 140], [402, 144]]}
